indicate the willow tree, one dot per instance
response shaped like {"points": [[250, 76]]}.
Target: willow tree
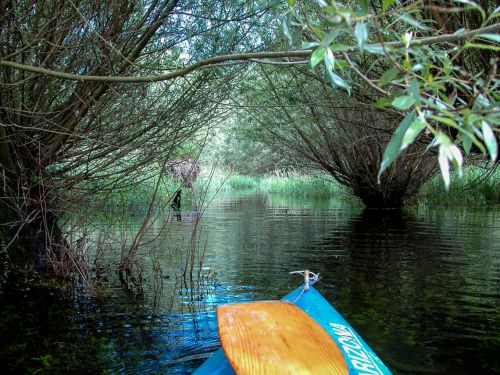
{"points": [[392, 90], [65, 64], [62, 140], [314, 127], [439, 61]]}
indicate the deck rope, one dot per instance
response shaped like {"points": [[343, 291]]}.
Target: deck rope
{"points": [[310, 278]]}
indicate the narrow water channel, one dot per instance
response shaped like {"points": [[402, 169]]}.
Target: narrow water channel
{"points": [[421, 286]]}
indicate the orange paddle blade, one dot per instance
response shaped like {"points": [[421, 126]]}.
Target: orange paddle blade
{"points": [[276, 338]]}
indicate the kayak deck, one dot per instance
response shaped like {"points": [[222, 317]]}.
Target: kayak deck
{"points": [[359, 357], [276, 338]]}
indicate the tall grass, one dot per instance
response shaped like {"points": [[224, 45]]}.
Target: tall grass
{"points": [[240, 181], [316, 186], [293, 184], [477, 187]]}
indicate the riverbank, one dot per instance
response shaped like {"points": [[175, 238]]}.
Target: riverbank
{"points": [[477, 187]]}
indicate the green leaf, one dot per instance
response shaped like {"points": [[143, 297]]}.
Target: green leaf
{"points": [[307, 45], [472, 5], [417, 68], [482, 46], [414, 90], [393, 148], [444, 120], [339, 47], [386, 4], [361, 34], [455, 156], [493, 37], [291, 3], [330, 65], [317, 56], [364, 6], [494, 14], [339, 81], [448, 152], [340, 64], [445, 155], [320, 33], [406, 38], [444, 165], [403, 102], [345, 13], [466, 132], [377, 49], [329, 60], [466, 144], [383, 102], [443, 139], [330, 37], [489, 140], [493, 118], [286, 31], [387, 77], [413, 131], [472, 118], [413, 22], [481, 100], [407, 64]]}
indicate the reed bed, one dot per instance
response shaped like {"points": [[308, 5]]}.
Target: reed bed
{"points": [[477, 187], [289, 184], [239, 181], [315, 186]]}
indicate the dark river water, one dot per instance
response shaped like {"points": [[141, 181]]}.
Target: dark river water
{"points": [[421, 286]]}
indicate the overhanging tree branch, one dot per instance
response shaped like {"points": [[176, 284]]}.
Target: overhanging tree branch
{"points": [[250, 57]]}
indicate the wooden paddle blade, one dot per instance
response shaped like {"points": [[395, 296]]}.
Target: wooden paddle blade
{"points": [[276, 338]]}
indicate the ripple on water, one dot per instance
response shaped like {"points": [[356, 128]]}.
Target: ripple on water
{"points": [[421, 286]]}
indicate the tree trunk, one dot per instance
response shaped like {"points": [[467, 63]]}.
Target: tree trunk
{"points": [[30, 234]]}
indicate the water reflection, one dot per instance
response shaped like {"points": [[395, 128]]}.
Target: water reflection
{"points": [[407, 285], [421, 286]]}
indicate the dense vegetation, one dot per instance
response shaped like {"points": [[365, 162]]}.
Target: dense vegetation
{"points": [[478, 186], [97, 97], [62, 141]]}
